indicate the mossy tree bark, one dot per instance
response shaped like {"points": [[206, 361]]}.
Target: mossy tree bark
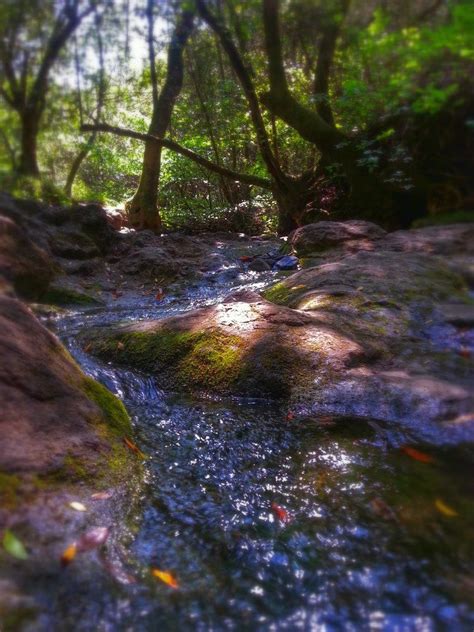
{"points": [[142, 209]]}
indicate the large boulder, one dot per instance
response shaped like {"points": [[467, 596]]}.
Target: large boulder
{"points": [[321, 236], [62, 442], [24, 265], [48, 406]]}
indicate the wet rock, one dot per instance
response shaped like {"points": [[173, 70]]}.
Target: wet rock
{"points": [[81, 267], [150, 262], [259, 265], [73, 245], [62, 440], [458, 314], [321, 236], [289, 262], [48, 405], [93, 221], [22, 264]]}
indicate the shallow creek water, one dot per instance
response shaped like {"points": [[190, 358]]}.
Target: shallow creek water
{"points": [[365, 546]]}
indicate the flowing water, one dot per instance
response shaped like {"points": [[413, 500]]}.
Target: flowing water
{"points": [[269, 523]]}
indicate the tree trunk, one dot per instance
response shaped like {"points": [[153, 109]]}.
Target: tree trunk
{"points": [[76, 164], [142, 209], [28, 164]]}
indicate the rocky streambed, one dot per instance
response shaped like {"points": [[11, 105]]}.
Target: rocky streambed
{"points": [[301, 438]]}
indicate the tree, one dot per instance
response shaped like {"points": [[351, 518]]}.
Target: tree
{"points": [[86, 148], [142, 209], [27, 57]]}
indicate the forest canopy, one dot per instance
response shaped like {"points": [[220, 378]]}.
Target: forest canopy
{"points": [[273, 114]]}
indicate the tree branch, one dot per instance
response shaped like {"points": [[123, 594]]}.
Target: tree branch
{"points": [[308, 123], [326, 50], [179, 149], [247, 86]]}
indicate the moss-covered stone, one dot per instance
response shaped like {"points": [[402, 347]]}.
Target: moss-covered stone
{"points": [[114, 411], [64, 296], [204, 360], [280, 293]]}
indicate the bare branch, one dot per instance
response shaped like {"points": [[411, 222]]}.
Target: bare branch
{"points": [[179, 149]]}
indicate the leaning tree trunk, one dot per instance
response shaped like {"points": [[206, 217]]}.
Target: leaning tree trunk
{"points": [[142, 209], [28, 164]]}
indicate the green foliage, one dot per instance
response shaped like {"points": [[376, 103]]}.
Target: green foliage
{"points": [[41, 189], [387, 63], [422, 66]]}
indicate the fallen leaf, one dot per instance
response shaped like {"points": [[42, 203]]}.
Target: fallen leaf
{"points": [[381, 509], [165, 577], [101, 496], [131, 446], [69, 554], [93, 538], [77, 506], [120, 345], [88, 347], [245, 258], [280, 513], [417, 455], [445, 509], [160, 295], [464, 353], [14, 546], [290, 416]]}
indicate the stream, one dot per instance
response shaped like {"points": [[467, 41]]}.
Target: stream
{"points": [[269, 523]]}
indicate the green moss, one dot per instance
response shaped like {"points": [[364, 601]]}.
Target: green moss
{"points": [[196, 360], [9, 485], [214, 362], [72, 469], [278, 293], [118, 421], [64, 296]]}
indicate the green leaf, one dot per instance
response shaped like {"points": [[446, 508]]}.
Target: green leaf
{"points": [[14, 546]]}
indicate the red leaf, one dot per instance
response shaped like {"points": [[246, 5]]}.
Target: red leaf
{"points": [[280, 513], [245, 258], [160, 295], [413, 453], [131, 446], [290, 416]]}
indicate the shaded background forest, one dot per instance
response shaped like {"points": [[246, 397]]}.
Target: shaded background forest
{"points": [[389, 80]]}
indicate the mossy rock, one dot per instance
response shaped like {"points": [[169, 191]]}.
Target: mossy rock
{"points": [[63, 296], [197, 361]]}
